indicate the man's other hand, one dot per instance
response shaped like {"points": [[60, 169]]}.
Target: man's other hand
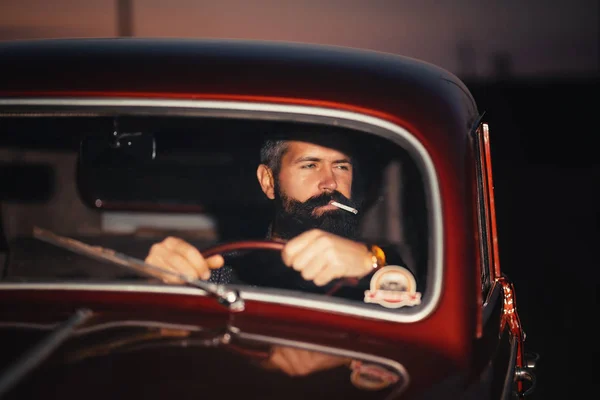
{"points": [[321, 257], [179, 256], [297, 362]]}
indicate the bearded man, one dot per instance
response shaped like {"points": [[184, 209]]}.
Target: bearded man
{"points": [[302, 178]]}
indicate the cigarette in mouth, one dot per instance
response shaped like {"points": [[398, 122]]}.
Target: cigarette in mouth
{"points": [[344, 207]]}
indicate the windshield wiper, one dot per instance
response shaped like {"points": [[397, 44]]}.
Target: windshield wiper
{"points": [[42, 350], [229, 297]]}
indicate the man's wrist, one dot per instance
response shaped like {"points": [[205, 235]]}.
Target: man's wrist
{"points": [[376, 257]]}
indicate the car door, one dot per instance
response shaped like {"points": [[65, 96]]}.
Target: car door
{"points": [[508, 371]]}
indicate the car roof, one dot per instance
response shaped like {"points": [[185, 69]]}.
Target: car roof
{"points": [[412, 90]]}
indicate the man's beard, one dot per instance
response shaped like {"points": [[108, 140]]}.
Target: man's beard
{"points": [[293, 217]]}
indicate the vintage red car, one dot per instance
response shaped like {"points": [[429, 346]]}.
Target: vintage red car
{"points": [[110, 145]]}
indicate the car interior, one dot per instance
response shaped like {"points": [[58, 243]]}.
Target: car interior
{"points": [[127, 182]]}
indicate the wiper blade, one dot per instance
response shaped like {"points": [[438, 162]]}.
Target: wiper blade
{"points": [[42, 350], [229, 297]]}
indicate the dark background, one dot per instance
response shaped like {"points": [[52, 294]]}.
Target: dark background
{"points": [[546, 174], [535, 74]]}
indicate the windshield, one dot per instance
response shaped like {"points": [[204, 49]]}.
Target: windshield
{"points": [[187, 194]]}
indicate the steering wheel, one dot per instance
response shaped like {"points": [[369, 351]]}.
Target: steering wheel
{"points": [[273, 245], [243, 245]]}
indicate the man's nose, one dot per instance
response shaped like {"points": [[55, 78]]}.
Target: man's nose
{"points": [[327, 182]]}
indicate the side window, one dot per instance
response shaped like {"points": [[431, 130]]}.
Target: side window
{"points": [[486, 219]]}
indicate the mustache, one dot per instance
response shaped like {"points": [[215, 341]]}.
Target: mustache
{"points": [[292, 217], [323, 199]]}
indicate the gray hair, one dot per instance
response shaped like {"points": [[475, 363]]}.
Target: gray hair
{"points": [[272, 152]]}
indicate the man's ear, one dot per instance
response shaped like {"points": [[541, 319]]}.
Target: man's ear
{"points": [[266, 180]]}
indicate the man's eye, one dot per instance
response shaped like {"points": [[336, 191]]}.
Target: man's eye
{"points": [[309, 166], [344, 167]]}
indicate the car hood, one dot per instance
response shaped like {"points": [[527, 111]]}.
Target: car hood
{"points": [[145, 358]]}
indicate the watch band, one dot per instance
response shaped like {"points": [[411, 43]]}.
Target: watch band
{"points": [[377, 256]]}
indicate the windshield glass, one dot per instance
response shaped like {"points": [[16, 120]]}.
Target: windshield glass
{"points": [[260, 204]]}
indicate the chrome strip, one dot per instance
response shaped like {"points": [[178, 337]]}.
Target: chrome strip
{"points": [[104, 287], [341, 118], [102, 326]]}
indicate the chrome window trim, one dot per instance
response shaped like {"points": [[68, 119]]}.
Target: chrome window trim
{"points": [[105, 106]]}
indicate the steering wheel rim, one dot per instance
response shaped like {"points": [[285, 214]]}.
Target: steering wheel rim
{"points": [[243, 245], [274, 245]]}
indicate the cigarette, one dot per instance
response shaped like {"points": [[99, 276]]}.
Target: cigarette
{"points": [[344, 207]]}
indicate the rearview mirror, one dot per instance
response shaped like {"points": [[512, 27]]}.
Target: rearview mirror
{"points": [[117, 149], [168, 169]]}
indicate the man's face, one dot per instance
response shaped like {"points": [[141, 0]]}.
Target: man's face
{"points": [[310, 177], [308, 170]]}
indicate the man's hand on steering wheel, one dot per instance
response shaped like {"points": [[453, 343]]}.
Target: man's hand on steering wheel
{"points": [[322, 257], [317, 255], [179, 256]]}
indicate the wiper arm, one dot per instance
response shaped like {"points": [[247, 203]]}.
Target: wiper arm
{"points": [[229, 297], [42, 350]]}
